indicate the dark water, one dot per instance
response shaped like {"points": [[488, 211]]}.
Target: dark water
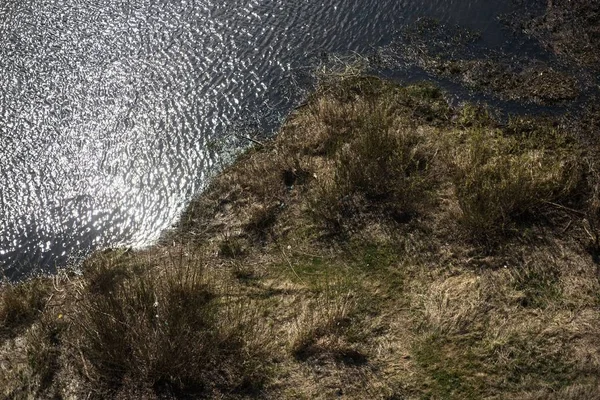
{"points": [[108, 108]]}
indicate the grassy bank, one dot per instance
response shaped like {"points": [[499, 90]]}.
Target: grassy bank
{"points": [[383, 245]]}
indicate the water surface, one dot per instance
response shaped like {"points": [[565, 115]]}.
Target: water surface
{"points": [[108, 108]]}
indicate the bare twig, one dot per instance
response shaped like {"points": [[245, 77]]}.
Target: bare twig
{"points": [[565, 208], [290, 264], [258, 142]]}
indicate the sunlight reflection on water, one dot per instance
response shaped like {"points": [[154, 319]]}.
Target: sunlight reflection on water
{"points": [[107, 107]]}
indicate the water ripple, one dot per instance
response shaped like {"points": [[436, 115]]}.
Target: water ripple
{"points": [[107, 106]]}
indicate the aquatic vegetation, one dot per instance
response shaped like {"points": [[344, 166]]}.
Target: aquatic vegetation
{"points": [[570, 29], [450, 52]]}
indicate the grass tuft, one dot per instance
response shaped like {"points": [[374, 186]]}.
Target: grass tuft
{"points": [[324, 330], [384, 162], [22, 304], [500, 179], [162, 329], [379, 160]]}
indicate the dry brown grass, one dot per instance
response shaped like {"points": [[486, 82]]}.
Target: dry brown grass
{"points": [[137, 325], [443, 317], [167, 328], [22, 304], [500, 178], [322, 330]]}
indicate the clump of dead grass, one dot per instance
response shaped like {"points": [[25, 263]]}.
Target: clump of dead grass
{"points": [[454, 305], [21, 304], [44, 350], [501, 178], [162, 328], [384, 161], [375, 157]]}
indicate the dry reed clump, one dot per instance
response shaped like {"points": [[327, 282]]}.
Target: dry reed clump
{"points": [[330, 122], [376, 158], [354, 146], [22, 304], [380, 158], [500, 178], [385, 161], [383, 169], [343, 107], [44, 352], [166, 328]]}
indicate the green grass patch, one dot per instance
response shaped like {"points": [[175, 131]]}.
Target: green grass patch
{"points": [[450, 371], [534, 362], [463, 367]]}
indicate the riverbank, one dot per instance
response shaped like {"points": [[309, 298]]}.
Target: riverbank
{"points": [[383, 245]]}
